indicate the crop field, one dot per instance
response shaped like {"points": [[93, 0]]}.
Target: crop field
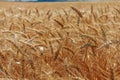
{"points": [[60, 41]]}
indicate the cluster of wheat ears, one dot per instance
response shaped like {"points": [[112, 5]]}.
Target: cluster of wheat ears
{"points": [[60, 44]]}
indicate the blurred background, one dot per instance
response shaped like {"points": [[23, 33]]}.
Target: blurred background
{"points": [[58, 0]]}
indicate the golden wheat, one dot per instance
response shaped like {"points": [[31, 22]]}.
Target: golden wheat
{"points": [[65, 43]]}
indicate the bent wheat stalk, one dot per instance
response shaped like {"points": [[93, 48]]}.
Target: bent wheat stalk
{"points": [[77, 11]]}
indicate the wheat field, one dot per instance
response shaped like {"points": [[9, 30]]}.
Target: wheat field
{"points": [[60, 41]]}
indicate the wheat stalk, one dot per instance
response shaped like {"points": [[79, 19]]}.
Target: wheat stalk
{"points": [[77, 11]]}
